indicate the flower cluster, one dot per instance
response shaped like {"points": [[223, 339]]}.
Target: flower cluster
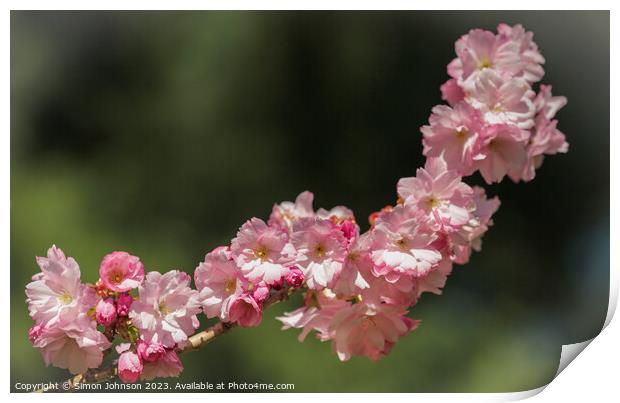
{"points": [[357, 287], [60, 305], [76, 323], [495, 123], [360, 286]]}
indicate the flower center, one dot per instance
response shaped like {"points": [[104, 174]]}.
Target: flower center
{"points": [[230, 285], [484, 63], [432, 201], [65, 297], [116, 277], [319, 250], [461, 134], [163, 309], [261, 252], [353, 256], [402, 244], [498, 108]]}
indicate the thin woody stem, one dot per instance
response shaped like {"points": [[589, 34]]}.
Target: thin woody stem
{"points": [[196, 341]]}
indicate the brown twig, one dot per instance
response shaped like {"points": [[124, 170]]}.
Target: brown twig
{"points": [[196, 341]]}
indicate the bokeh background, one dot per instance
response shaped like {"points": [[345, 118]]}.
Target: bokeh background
{"points": [[160, 133]]}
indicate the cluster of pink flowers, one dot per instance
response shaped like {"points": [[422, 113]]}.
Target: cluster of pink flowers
{"points": [[496, 123], [357, 287], [360, 286], [76, 323]]}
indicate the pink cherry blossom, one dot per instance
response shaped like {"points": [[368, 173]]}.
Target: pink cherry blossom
{"points": [[337, 215], [343, 218], [459, 243], [166, 309], [479, 51], [502, 153], [129, 367], [371, 331], [169, 365], [262, 252], [286, 213], [105, 311], [503, 100], [56, 296], [76, 346], [357, 267], [400, 291], [121, 271], [316, 314], [547, 139], [439, 192], [435, 280], [547, 104], [530, 57], [321, 248], [402, 246], [218, 279], [260, 292], [245, 310], [150, 352], [373, 217], [451, 92], [485, 207], [453, 133]]}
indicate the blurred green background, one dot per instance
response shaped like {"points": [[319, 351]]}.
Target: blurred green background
{"points": [[160, 133]]}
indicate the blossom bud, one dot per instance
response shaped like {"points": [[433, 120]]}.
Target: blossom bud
{"points": [[105, 312], [129, 367], [245, 311], [349, 229], [123, 304], [276, 285], [150, 352], [295, 277], [261, 292], [34, 333]]}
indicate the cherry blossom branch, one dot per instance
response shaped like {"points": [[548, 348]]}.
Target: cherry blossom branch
{"points": [[196, 342], [360, 285]]}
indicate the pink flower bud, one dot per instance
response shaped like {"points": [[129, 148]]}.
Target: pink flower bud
{"points": [[123, 304], [276, 285], [349, 229], [34, 333], [129, 367], [105, 312], [261, 292], [245, 311], [295, 277], [150, 352]]}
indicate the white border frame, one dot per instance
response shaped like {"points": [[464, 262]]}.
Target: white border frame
{"points": [[594, 375]]}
